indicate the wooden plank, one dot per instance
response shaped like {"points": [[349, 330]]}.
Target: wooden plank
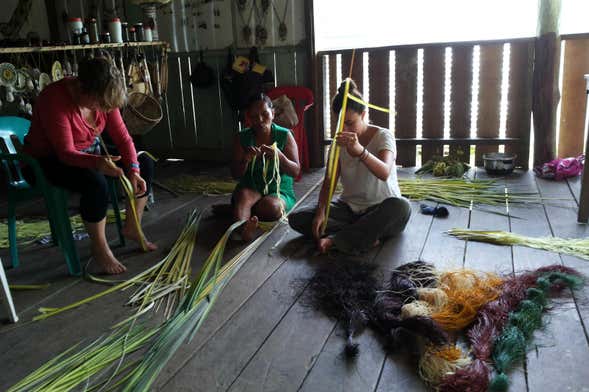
{"points": [[574, 97], [285, 68], [461, 98], [439, 249], [20, 351], [333, 74], [483, 256], [489, 97], [236, 342], [378, 83], [283, 360], [564, 345], [539, 368], [357, 69], [399, 372], [433, 100], [519, 101], [406, 101]]}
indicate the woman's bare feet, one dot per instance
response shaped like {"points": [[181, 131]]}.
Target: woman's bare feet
{"points": [[324, 244], [131, 234], [249, 229], [108, 262]]}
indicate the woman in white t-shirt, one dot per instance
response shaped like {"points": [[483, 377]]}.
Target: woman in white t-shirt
{"points": [[370, 208]]}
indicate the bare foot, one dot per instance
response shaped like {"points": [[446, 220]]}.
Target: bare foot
{"points": [[249, 229], [324, 244], [108, 263], [131, 234]]}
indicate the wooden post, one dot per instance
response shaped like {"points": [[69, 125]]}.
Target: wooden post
{"points": [[315, 137], [583, 214], [545, 86]]}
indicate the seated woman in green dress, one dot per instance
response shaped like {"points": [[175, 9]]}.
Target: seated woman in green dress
{"points": [[264, 192]]}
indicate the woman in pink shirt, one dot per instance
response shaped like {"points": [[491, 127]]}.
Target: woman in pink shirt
{"points": [[68, 117]]}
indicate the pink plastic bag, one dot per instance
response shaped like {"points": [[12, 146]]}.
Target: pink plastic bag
{"points": [[561, 168]]}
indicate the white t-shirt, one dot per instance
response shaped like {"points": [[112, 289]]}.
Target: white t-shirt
{"points": [[362, 189]]}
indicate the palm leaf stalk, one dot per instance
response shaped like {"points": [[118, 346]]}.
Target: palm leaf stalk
{"points": [[130, 192], [164, 283], [464, 193], [71, 369], [194, 309], [334, 151], [578, 247]]}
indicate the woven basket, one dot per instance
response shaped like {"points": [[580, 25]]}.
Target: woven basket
{"points": [[141, 113]]}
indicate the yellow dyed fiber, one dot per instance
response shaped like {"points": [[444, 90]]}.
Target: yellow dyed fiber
{"points": [[436, 298], [439, 361], [27, 232], [467, 291], [415, 309]]}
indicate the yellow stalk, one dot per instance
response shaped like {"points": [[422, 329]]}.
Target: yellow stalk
{"points": [[334, 154]]}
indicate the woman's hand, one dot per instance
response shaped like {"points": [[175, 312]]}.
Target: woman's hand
{"points": [[107, 167], [251, 152], [268, 151], [138, 183], [350, 141]]}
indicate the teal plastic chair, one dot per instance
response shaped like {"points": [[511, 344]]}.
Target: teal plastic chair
{"points": [[56, 198]]}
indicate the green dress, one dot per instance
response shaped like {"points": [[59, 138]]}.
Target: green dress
{"points": [[254, 179]]}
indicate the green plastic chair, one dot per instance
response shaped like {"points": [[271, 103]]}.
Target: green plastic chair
{"points": [[56, 198]]}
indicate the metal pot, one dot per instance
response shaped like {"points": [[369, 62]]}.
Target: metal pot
{"points": [[499, 162]]}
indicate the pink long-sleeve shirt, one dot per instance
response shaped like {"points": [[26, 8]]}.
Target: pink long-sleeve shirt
{"points": [[59, 129]]}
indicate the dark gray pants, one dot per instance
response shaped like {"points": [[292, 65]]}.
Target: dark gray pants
{"points": [[356, 233]]}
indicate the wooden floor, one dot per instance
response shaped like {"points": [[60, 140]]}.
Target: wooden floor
{"points": [[261, 337]]}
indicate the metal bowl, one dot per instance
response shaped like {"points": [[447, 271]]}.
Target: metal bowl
{"points": [[499, 162]]}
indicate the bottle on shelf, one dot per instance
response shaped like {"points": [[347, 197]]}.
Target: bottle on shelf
{"points": [[114, 28]]}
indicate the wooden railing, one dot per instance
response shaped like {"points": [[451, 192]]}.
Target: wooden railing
{"points": [[500, 74]]}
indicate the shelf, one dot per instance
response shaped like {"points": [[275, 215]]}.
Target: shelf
{"points": [[36, 49]]}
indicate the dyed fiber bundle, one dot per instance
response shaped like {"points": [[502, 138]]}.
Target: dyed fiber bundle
{"points": [[400, 291], [437, 361], [489, 323], [467, 291], [419, 272], [345, 292], [510, 347]]}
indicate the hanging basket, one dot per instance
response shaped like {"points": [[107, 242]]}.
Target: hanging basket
{"points": [[141, 113]]}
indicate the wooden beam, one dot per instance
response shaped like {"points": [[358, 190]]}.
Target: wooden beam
{"points": [[316, 147], [433, 99], [489, 97], [378, 83], [35, 49], [460, 99], [519, 99], [406, 101], [545, 86]]}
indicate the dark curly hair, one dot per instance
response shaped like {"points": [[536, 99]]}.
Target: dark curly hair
{"points": [[336, 103]]}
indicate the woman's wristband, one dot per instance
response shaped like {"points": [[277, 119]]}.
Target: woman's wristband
{"points": [[359, 156], [364, 155]]}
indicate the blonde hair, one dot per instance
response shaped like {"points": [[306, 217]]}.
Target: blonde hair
{"points": [[100, 79]]}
